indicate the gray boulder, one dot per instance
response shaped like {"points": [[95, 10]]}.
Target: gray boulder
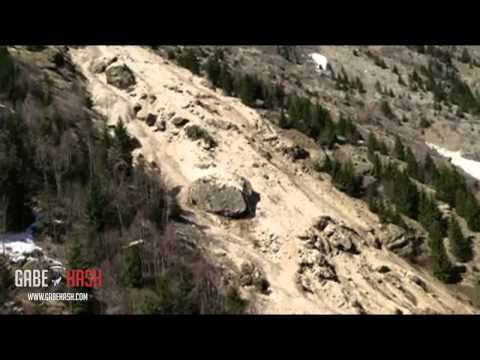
{"points": [[120, 76], [227, 195], [179, 121], [151, 119]]}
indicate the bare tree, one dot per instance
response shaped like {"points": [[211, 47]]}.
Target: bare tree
{"points": [[61, 160], [4, 201]]}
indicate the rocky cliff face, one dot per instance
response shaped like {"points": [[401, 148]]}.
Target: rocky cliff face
{"points": [[277, 228]]}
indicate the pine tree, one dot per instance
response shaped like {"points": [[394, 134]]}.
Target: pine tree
{"points": [[78, 259], [412, 166], [213, 69], [189, 60], [399, 150], [124, 145], [429, 214], [96, 205], [441, 265], [465, 58], [283, 121], [460, 246], [382, 148], [406, 195], [7, 70], [372, 143], [377, 167], [131, 268], [431, 172], [226, 80], [247, 90], [387, 110]]}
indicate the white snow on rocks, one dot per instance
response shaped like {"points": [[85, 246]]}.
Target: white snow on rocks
{"points": [[320, 60], [18, 246], [471, 167]]}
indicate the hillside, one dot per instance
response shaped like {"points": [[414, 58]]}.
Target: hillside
{"points": [[260, 210]]}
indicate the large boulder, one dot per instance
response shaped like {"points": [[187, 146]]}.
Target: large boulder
{"points": [[227, 195], [120, 76]]}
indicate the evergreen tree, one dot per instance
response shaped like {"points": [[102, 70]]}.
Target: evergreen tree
{"points": [[189, 60], [7, 70], [377, 167], [372, 143], [124, 145], [431, 172], [247, 90], [406, 195], [226, 80], [77, 258], [465, 58], [429, 214], [382, 148], [387, 110], [460, 246], [399, 150], [412, 166], [441, 265], [131, 268], [96, 205], [283, 121], [213, 69]]}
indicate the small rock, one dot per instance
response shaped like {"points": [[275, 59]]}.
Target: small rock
{"points": [[297, 153], [161, 125], [151, 119], [383, 269], [180, 121]]}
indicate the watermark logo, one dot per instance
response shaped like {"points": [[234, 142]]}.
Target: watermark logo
{"points": [[86, 278], [45, 284]]}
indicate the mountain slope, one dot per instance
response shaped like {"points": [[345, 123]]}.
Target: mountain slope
{"points": [[368, 279]]}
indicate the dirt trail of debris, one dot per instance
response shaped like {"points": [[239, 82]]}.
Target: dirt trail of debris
{"points": [[288, 202]]}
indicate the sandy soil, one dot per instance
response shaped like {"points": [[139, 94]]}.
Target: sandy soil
{"points": [[290, 198]]}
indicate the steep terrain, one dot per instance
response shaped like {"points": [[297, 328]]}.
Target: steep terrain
{"points": [[319, 250]]}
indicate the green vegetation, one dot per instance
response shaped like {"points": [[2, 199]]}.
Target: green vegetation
{"points": [[441, 265], [460, 245], [343, 176], [94, 200]]}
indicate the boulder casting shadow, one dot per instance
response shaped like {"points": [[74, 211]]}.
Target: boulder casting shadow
{"points": [[226, 195]]}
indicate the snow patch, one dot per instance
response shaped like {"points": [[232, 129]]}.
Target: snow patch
{"points": [[471, 167], [320, 60], [18, 245]]}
